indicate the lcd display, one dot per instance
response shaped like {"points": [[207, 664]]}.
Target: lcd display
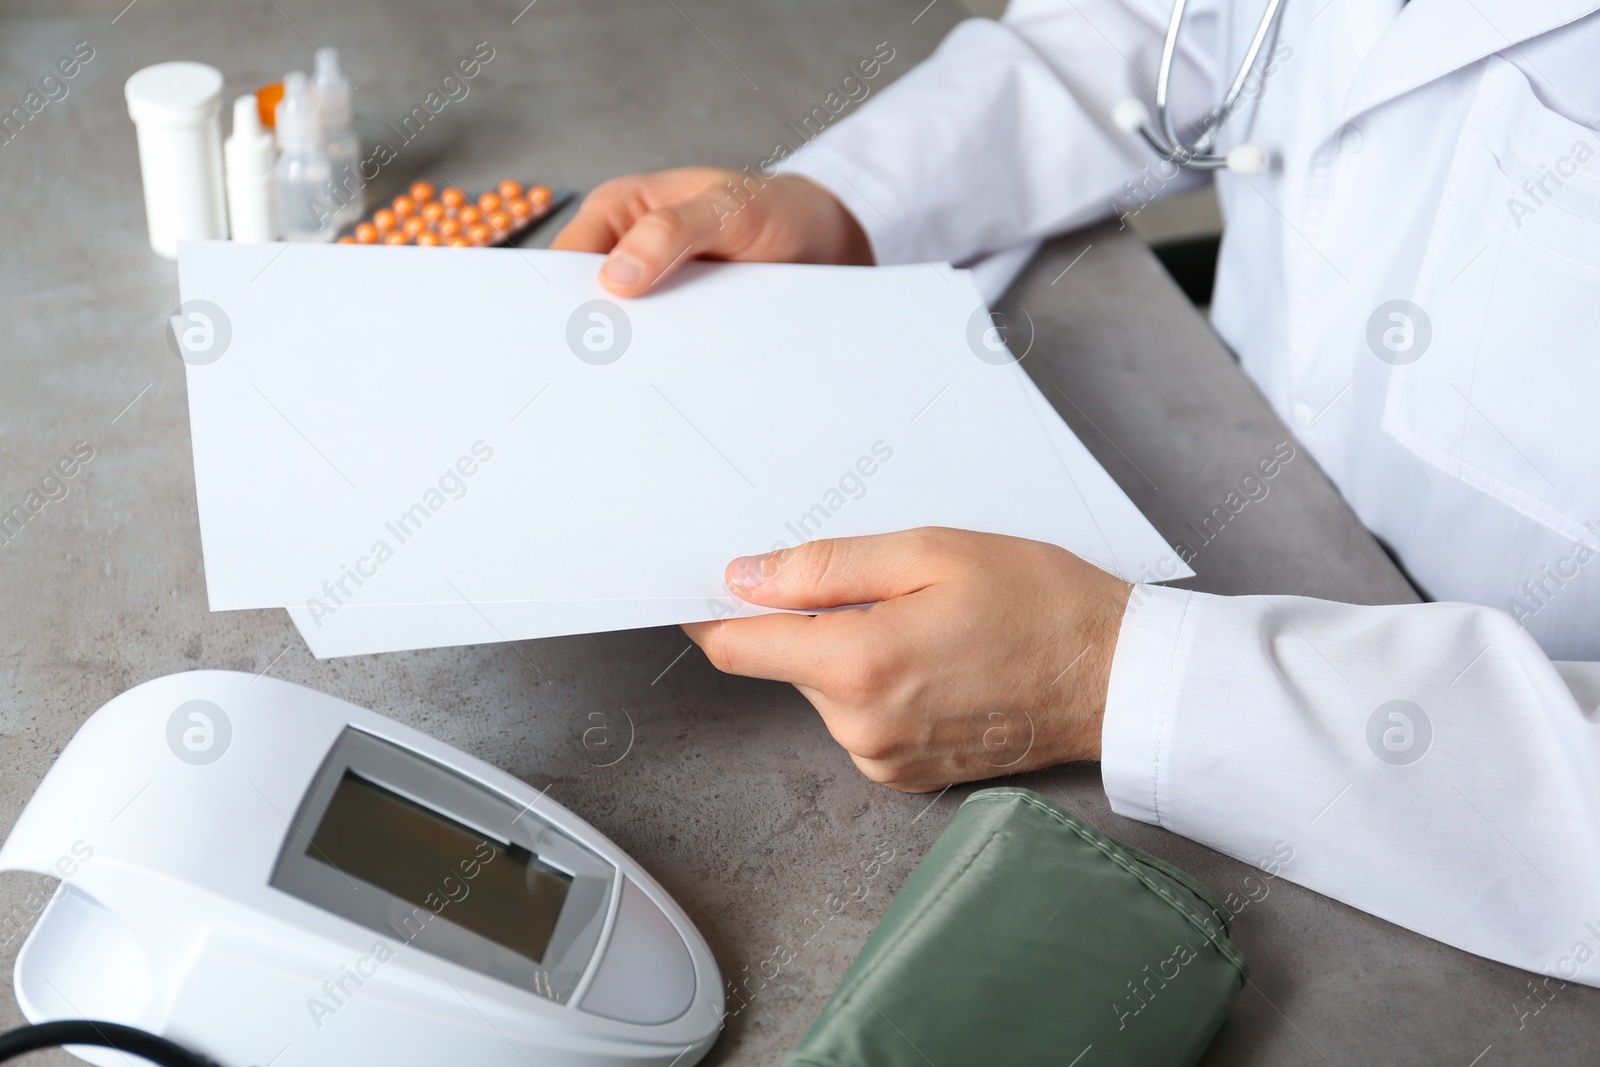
{"points": [[501, 892]]}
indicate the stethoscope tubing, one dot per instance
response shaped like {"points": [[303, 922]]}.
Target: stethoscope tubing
{"points": [[1166, 143]]}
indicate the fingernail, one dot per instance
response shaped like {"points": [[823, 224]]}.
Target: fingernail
{"points": [[622, 269], [748, 572]]}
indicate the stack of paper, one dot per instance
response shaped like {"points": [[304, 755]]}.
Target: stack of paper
{"points": [[411, 448]]}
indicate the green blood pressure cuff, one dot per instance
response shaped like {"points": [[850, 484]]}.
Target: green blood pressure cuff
{"points": [[1026, 936]]}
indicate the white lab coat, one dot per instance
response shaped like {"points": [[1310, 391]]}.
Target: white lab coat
{"points": [[1441, 153]]}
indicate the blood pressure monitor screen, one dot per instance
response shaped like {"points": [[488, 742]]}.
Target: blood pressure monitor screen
{"points": [[498, 891]]}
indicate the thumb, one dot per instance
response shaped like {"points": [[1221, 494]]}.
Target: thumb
{"points": [[841, 571], [659, 241]]}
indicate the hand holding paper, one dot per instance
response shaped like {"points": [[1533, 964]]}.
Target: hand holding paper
{"points": [[986, 655], [413, 447], [651, 223]]}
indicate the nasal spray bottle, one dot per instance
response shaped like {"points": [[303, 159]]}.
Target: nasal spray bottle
{"points": [[339, 139], [248, 155], [302, 172]]}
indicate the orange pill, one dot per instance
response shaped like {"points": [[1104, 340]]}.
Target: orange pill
{"points": [[539, 197], [347, 240], [428, 239], [413, 226], [519, 208], [404, 206], [500, 221], [452, 197], [489, 202], [422, 192], [510, 189], [448, 227], [398, 237], [469, 215], [433, 211], [460, 242], [479, 234], [366, 234], [384, 220]]}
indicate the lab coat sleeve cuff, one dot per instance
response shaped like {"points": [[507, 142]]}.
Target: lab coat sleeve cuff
{"points": [[881, 215], [1141, 701]]}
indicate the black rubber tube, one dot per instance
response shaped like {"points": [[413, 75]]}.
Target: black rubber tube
{"points": [[141, 1043]]}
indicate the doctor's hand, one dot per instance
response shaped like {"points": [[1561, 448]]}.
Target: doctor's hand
{"points": [[650, 223], [981, 656]]}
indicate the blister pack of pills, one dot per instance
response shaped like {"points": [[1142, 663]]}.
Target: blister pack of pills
{"points": [[450, 218]]}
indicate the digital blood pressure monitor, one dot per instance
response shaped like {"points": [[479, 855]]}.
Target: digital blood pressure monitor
{"points": [[266, 874]]}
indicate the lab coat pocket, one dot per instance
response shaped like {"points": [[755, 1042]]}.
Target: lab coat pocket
{"points": [[1496, 371]]}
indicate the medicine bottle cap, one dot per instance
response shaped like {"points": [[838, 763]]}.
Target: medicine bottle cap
{"points": [[174, 94], [297, 124], [250, 146], [333, 92], [247, 118], [267, 98]]}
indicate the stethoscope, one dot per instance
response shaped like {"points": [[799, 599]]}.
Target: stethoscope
{"points": [[1132, 116]]}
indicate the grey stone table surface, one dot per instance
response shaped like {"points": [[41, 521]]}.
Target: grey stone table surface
{"points": [[730, 791]]}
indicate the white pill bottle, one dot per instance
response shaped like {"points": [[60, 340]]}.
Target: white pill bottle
{"points": [[176, 107]]}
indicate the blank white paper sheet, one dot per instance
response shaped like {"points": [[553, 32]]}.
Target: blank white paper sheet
{"points": [[412, 447]]}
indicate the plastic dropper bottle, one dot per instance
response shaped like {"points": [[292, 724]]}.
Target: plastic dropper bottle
{"points": [[248, 154], [306, 213], [339, 137]]}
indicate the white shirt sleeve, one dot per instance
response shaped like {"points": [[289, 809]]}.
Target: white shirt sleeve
{"points": [[1424, 763], [1004, 134]]}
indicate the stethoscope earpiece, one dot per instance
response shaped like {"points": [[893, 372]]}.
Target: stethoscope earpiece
{"points": [[1132, 116], [1247, 159]]}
